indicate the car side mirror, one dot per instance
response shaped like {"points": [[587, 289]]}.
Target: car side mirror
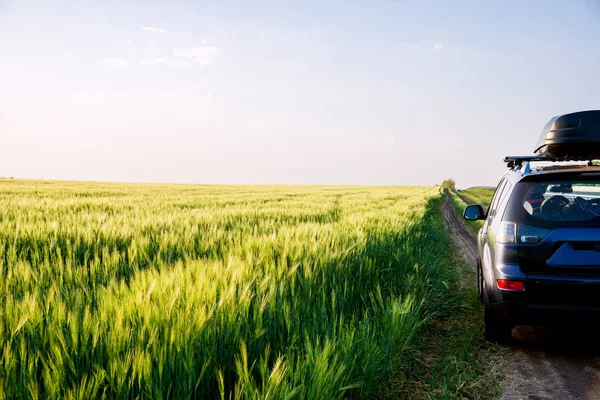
{"points": [[474, 213]]}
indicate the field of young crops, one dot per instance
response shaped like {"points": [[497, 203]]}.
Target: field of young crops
{"points": [[150, 291]]}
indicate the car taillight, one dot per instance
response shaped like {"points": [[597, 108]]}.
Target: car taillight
{"points": [[510, 232], [507, 233], [505, 284]]}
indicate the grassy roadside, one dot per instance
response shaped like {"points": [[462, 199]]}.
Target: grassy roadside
{"points": [[449, 359], [477, 195], [472, 196], [459, 206]]}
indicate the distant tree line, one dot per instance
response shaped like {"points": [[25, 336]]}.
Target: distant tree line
{"points": [[449, 184]]}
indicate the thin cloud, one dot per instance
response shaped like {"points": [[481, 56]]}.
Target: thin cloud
{"points": [[221, 32], [186, 57], [176, 93], [95, 96], [299, 64], [155, 61], [438, 46], [154, 29], [152, 96], [183, 33], [413, 46], [118, 63], [168, 61], [152, 46], [206, 55]]}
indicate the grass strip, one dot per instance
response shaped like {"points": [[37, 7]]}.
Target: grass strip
{"points": [[449, 359]]}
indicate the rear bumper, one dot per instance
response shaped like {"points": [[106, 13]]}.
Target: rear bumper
{"points": [[550, 298], [525, 314]]}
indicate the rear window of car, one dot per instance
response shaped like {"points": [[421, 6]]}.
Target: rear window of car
{"points": [[566, 200]]}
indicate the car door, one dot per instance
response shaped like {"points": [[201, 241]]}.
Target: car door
{"points": [[491, 211], [495, 215], [493, 221], [488, 239]]}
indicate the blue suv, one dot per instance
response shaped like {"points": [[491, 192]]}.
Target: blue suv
{"points": [[539, 247]]}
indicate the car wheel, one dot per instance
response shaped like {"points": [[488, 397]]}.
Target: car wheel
{"points": [[495, 329], [479, 281]]}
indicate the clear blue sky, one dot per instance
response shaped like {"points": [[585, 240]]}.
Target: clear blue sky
{"points": [[308, 92]]}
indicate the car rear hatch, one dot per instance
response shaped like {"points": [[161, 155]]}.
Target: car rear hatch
{"points": [[564, 269], [559, 252], [564, 251]]}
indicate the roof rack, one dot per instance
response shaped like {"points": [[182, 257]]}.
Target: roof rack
{"points": [[512, 161], [517, 161]]}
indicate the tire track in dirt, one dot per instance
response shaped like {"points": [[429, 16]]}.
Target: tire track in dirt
{"points": [[461, 235], [542, 364]]}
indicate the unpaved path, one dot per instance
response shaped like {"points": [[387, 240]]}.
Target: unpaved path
{"points": [[461, 235], [541, 364]]}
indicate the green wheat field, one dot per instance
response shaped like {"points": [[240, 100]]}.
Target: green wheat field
{"points": [[216, 292]]}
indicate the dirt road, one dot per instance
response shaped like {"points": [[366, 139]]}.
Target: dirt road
{"points": [[463, 238], [541, 364]]}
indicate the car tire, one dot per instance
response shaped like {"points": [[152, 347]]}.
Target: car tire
{"points": [[479, 281], [495, 328]]}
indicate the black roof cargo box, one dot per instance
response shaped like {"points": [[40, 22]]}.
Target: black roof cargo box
{"points": [[574, 136]]}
